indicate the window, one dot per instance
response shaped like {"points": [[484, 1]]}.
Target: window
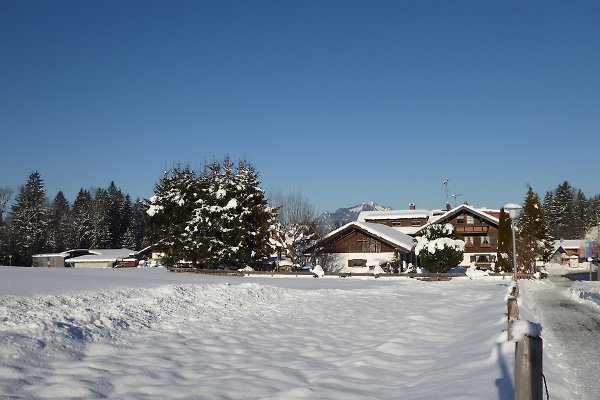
{"points": [[396, 223], [470, 220], [357, 262], [415, 222], [369, 246], [460, 219], [468, 241], [485, 241]]}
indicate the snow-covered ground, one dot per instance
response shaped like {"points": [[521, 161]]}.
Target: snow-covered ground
{"points": [[151, 334]]}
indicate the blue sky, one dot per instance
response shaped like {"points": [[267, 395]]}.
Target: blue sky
{"points": [[342, 101]]}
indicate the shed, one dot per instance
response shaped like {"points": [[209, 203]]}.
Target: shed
{"points": [[100, 258]]}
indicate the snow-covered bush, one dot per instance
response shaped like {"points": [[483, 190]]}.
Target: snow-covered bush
{"points": [[439, 249]]}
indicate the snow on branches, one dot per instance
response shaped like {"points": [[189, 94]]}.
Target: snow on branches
{"points": [[219, 217]]}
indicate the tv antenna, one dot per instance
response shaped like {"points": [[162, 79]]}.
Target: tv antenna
{"points": [[455, 197], [445, 183]]}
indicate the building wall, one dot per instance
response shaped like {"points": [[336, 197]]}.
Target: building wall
{"points": [[399, 222], [355, 242], [93, 264], [51, 261], [335, 262]]}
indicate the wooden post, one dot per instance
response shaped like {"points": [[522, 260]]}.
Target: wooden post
{"points": [[513, 315], [529, 383]]}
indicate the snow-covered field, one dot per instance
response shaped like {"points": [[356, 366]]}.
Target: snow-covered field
{"points": [[151, 334]]}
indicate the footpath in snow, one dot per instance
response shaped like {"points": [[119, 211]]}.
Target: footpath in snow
{"points": [[570, 315]]}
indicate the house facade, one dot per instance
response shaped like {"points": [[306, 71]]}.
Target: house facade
{"points": [[478, 228], [360, 246], [572, 252]]}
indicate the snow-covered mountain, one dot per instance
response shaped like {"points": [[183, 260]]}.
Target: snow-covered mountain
{"points": [[328, 221]]}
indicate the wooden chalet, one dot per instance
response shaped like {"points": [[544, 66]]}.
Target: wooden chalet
{"points": [[478, 228], [362, 245]]}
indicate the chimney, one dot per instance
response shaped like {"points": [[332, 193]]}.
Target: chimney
{"points": [[448, 207], [412, 206]]}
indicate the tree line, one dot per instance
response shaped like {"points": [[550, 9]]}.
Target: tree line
{"points": [[570, 214], [98, 218], [218, 216]]}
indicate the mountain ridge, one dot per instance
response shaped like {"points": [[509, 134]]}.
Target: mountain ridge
{"points": [[328, 221]]}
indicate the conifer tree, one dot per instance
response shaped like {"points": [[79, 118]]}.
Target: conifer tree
{"points": [[581, 217], [83, 220], [504, 257], [255, 217], [534, 240], [101, 234], [563, 212], [137, 224], [169, 212], [29, 224], [60, 235]]}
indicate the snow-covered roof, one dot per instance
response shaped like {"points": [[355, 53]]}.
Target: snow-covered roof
{"points": [[63, 254], [465, 207], [393, 214], [103, 255], [384, 232], [568, 244]]}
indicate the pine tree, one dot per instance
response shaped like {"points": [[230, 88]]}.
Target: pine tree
{"points": [[581, 219], [504, 257], [83, 220], [534, 240], [116, 215], [101, 234], [169, 213], [137, 224], [29, 225], [549, 210], [563, 212], [255, 217], [60, 236]]}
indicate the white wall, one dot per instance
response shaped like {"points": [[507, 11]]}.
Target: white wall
{"points": [[338, 261]]}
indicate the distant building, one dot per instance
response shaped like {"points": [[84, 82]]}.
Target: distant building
{"points": [[376, 235]]}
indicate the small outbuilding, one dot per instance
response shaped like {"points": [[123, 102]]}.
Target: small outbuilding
{"points": [[101, 258]]}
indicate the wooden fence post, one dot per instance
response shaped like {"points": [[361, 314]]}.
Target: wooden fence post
{"points": [[513, 315], [528, 369]]}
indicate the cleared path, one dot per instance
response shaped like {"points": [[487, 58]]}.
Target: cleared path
{"points": [[571, 332]]}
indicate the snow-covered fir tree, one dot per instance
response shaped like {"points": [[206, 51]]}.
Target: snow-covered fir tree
{"points": [[83, 220], [255, 218], [101, 234], [60, 227], [533, 240], [440, 249], [169, 212], [29, 220], [219, 218]]}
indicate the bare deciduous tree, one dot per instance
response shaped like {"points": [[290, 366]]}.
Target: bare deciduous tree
{"points": [[293, 230]]}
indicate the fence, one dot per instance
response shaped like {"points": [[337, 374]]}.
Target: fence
{"points": [[529, 377]]}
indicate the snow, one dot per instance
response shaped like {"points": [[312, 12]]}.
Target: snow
{"points": [[318, 271], [522, 328], [440, 243], [151, 334]]}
